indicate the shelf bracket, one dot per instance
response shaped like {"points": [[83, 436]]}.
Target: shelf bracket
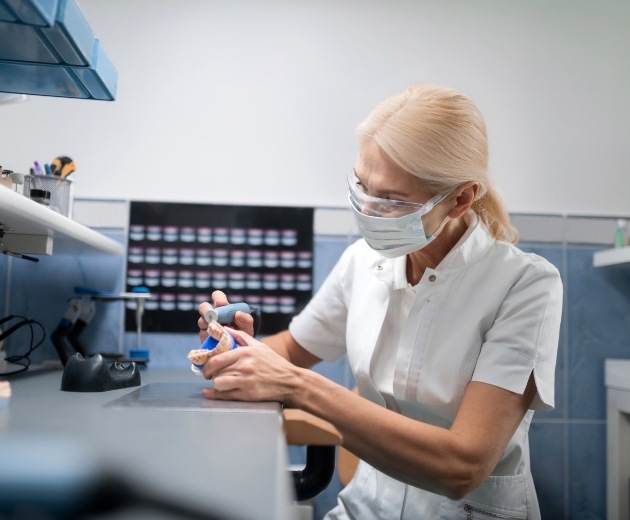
{"points": [[33, 244]]}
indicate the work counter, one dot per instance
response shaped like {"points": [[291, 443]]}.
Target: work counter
{"points": [[164, 438]]}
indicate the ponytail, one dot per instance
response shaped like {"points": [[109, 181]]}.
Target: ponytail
{"points": [[492, 212]]}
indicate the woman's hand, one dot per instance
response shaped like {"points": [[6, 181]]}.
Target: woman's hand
{"points": [[252, 372], [242, 320]]}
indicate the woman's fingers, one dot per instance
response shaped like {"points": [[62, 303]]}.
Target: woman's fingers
{"points": [[201, 322], [219, 298], [213, 393], [251, 374], [203, 308], [219, 362], [243, 338], [244, 322]]}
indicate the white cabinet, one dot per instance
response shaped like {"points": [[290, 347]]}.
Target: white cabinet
{"points": [[617, 377], [31, 228]]}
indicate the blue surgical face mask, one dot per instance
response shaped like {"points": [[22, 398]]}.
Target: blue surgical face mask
{"points": [[394, 228]]}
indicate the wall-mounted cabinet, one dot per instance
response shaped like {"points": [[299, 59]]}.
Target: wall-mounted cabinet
{"points": [[30, 228], [47, 48]]}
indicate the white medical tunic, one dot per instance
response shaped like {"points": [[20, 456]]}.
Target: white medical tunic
{"points": [[488, 312]]}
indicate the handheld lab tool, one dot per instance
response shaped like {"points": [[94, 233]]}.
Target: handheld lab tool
{"points": [[225, 314]]}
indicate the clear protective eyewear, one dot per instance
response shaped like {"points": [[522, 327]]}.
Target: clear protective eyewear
{"points": [[387, 208]]}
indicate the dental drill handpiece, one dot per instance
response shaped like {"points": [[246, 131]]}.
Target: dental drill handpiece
{"points": [[225, 314]]}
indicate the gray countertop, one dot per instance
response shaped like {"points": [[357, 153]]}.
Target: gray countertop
{"points": [[164, 436]]}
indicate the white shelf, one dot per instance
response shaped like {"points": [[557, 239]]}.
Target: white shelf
{"points": [[615, 256], [32, 228]]}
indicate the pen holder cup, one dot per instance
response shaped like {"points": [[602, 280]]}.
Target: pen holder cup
{"points": [[61, 191]]}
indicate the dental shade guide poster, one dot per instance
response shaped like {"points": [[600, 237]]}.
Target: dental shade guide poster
{"points": [[182, 252]]}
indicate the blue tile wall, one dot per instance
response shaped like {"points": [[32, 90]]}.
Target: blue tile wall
{"points": [[586, 477], [548, 452], [568, 445], [41, 291]]}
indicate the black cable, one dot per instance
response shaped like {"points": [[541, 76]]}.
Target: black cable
{"points": [[22, 360], [13, 328]]}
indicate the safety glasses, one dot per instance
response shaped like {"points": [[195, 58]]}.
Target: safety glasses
{"points": [[386, 208]]}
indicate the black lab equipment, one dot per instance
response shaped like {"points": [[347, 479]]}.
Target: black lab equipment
{"points": [[95, 374]]}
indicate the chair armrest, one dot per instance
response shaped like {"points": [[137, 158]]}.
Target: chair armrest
{"points": [[303, 428], [321, 439]]}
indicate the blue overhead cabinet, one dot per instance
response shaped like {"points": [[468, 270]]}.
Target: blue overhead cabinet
{"points": [[37, 12], [47, 48]]}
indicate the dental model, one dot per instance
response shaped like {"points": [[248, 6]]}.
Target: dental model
{"points": [[219, 340]]}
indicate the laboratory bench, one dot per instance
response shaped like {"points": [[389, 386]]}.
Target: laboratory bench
{"points": [[163, 439]]}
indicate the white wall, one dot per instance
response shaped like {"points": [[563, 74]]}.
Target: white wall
{"points": [[256, 101]]}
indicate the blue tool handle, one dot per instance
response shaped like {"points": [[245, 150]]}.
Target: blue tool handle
{"points": [[225, 314]]}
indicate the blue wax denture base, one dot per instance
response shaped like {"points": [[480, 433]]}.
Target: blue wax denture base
{"points": [[211, 343]]}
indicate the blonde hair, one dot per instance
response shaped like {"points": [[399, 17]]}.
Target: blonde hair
{"points": [[438, 135]]}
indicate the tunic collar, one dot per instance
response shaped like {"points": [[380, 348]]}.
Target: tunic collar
{"points": [[470, 247]]}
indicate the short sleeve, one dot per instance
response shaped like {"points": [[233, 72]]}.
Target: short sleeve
{"points": [[524, 336], [321, 327]]}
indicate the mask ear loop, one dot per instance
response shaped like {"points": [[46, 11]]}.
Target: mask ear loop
{"points": [[439, 230], [431, 203]]}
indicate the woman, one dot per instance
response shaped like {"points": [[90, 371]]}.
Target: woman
{"points": [[450, 330]]}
